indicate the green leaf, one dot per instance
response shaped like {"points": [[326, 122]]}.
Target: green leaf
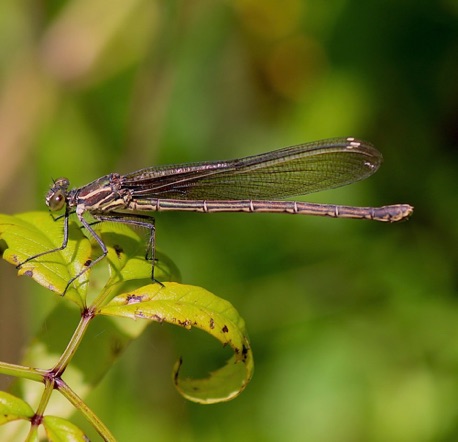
{"points": [[189, 306], [62, 430], [220, 386], [31, 233], [12, 408]]}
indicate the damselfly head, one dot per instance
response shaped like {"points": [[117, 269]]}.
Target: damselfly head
{"points": [[57, 195]]}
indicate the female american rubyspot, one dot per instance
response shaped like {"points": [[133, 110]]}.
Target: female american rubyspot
{"points": [[241, 185]]}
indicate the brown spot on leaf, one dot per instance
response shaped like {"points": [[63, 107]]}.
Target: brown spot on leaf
{"points": [[134, 299], [186, 323], [212, 323], [244, 352], [28, 273], [157, 318], [88, 262], [118, 249], [225, 329]]}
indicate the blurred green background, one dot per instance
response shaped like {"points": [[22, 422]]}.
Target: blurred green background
{"points": [[353, 324]]}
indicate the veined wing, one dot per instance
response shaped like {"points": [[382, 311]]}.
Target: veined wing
{"points": [[294, 170]]}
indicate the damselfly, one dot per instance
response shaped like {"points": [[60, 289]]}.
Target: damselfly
{"points": [[242, 185]]}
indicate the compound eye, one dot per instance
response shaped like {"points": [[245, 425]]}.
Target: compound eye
{"points": [[56, 201]]}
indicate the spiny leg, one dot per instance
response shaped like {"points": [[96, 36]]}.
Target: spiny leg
{"points": [[139, 220], [115, 217], [100, 242]]}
